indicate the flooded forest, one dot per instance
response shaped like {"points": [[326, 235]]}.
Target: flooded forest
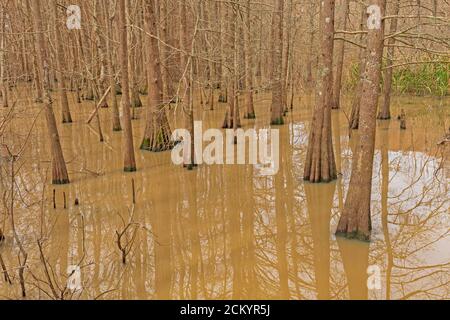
{"points": [[115, 116]]}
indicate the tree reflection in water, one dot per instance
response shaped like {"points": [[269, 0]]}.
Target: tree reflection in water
{"points": [[223, 232]]}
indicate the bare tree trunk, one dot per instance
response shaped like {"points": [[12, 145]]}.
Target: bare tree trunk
{"points": [[3, 57], [173, 63], [385, 110], [187, 65], [355, 221], [112, 79], [336, 103], [234, 85], [100, 82], [320, 163], [232, 115], [157, 135], [223, 14], [248, 52], [135, 98], [59, 170], [287, 59], [312, 32], [129, 157], [62, 81], [354, 117], [164, 34], [37, 79], [277, 62]]}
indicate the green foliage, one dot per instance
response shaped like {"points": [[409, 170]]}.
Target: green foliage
{"points": [[424, 79], [354, 77]]}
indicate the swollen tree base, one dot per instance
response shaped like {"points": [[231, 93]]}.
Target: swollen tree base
{"points": [[67, 119], [136, 100], [158, 140], [228, 122], [223, 96], [355, 223], [191, 166], [250, 116], [118, 89], [60, 181], [382, 116], [104, 105], [355, 235], [277, 122]]}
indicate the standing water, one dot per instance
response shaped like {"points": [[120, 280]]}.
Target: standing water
{"points": [[226, 231]]}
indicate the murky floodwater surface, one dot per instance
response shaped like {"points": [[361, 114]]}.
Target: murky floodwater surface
{"points": [[226, 231]]}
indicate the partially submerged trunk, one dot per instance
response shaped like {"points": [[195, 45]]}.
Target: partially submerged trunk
{"points": [[355, 221], [248, 53], [187, 64], [223, 13], [59, 170], [128, 147], [235, 73], [320, 163], [157, 135], [232, 116], [277, 108], [287, 58], [403, 120]]}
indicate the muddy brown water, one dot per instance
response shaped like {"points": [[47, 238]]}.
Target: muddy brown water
{"points": [[226, 231]]}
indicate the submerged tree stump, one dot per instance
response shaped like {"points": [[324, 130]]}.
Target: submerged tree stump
{"points": [[403, 120]]}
